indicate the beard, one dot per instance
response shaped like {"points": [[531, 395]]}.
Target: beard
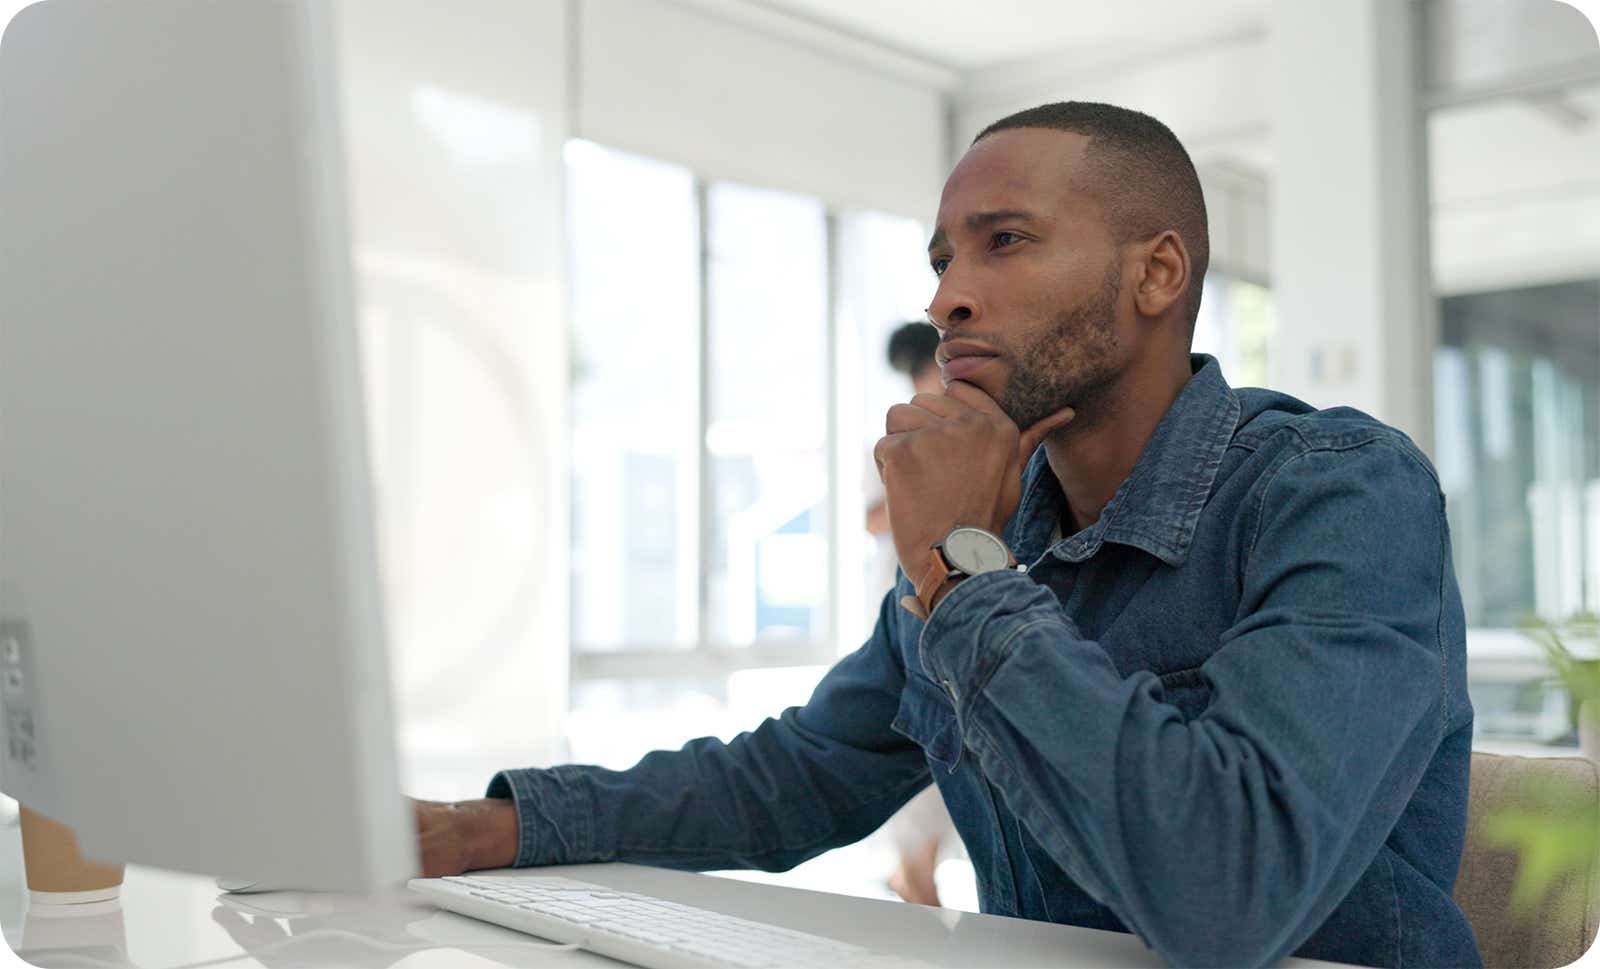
{"points": [[1069, 362]]}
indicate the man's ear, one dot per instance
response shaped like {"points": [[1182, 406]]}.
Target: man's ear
{"points": [[1166, 274]]}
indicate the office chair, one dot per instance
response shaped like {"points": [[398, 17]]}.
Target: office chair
{"points": [[1553, 933]]}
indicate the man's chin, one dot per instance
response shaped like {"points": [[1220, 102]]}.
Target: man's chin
{"points": [[1027, 412], [993, 389], [1008, 399]]}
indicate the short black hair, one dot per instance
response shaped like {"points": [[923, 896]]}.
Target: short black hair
{"points": [[911, 347], [1140, 172]]}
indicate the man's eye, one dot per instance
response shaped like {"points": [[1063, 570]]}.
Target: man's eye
{"points": [[1003, 239], [939, 266]]}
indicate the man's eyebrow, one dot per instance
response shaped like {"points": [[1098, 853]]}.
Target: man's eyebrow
{"points": [[981, 220]]}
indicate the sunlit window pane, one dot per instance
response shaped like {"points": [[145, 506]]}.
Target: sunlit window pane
{"points": [[1517, 394], [766, 439], [1236, 324], [634, 278]]}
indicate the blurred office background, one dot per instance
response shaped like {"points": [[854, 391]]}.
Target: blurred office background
{"points": [[627, 269]]}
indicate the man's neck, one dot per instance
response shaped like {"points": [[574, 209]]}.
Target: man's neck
{"points": [[1091, 460]]}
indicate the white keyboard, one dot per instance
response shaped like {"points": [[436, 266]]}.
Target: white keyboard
{"points": [[641, 929]]}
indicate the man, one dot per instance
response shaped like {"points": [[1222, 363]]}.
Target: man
{"points": [[1225, 706]]}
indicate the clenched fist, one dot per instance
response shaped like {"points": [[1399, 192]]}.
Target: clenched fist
{"points": [[950, 460]]}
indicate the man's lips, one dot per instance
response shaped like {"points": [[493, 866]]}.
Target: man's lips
{"points": [[964, 366], [960, 359]]}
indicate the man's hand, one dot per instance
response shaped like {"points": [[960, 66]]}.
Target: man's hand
{"points": [[952, 460], [462, 836]]}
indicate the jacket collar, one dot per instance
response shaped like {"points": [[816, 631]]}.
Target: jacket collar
{"points": [[1158, 505]]}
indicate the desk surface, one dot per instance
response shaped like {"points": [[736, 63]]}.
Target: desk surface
{"points": [[167, 919]]}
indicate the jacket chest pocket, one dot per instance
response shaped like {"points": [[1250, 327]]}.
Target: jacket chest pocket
{"points": [[927, 717]]}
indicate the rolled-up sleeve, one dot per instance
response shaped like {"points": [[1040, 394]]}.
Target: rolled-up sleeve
{"points": [[818, 776]]}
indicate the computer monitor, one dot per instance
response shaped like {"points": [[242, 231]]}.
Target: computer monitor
{"points": [[193, 647]]}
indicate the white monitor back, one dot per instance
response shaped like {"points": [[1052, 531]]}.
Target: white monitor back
{"points": [[187, 562]]}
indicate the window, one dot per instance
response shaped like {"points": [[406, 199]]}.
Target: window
{"points": [[1516, 265], [634, 277], [1236, 324], [1517, 388], [729, 381], [767, 437], [1517, 371], [726, 340]]}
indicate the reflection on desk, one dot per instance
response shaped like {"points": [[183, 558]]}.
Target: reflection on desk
{"points": [[86, 932], [173, 918]]}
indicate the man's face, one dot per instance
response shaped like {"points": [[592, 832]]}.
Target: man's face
{"points": [[1028, 302]]}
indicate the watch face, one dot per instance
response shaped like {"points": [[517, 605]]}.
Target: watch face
{"points": [[974, 551]]}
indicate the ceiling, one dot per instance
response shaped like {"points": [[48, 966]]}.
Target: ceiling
{"points": [[965, 35], [1515, 149]]}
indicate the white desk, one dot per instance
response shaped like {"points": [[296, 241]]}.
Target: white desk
{"points": [[167, 919]]}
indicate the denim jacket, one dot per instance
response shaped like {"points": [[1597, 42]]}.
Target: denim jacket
{"points": [[1230, 716]]}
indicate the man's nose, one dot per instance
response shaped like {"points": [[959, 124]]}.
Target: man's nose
{"points": [[952, 304]]}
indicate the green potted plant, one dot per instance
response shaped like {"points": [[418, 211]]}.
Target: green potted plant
{"points": [[1556, 831]]}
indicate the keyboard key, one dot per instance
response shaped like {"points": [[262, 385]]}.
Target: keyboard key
{"points": [[576, 916]]}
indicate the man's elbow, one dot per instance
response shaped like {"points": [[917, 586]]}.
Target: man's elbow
{"points": [[1223, 946], [1228, 929]]}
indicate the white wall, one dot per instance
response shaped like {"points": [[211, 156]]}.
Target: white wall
{"points": [[731, 100], [1348, 212]]}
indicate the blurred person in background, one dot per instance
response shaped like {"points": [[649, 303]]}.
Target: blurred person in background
{"points": [[922, 830]]}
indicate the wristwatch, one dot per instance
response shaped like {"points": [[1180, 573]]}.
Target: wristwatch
{"points": [[962, 553]]}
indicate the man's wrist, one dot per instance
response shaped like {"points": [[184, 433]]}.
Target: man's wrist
{"points": [[490, 832]]}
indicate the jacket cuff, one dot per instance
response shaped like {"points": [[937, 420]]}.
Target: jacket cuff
{"points": [[959, 647], [554, 818]]}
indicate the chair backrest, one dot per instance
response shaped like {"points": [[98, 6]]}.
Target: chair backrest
{"points": [[1555, 933]]}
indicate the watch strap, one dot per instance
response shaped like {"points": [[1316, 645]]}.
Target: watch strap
{"points": [[934, 575]]}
